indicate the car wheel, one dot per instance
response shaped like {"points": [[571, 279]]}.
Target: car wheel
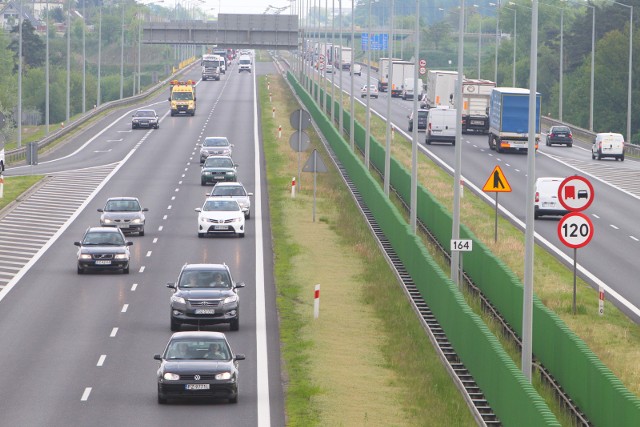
{"points": [[157, 126], [569, 145], [203, 182], [235, 324], [125, 270], [410, 129], [80, 270], [234, 399], [133, 127], [240, 234], [599, 155], [175, 326], [247, 215], [548, 143], [593, 156], [141, 233], [200, 235], [622, 158]]}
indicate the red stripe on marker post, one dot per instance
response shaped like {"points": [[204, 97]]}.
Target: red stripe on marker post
{"points": [[316, 302]]}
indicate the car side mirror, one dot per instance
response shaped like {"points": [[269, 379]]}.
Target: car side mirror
{"points": [[77, 243], [145, 209], [249, 194], [171, 285], [129, 243], [198, 209], [239, 357], [100, 210], [240, 285], [157, 357]]}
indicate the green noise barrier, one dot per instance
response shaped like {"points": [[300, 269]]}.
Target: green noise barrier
{"points": [[511, 396], [590, 384]]}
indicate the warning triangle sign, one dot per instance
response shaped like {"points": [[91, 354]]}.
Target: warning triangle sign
{"points": [[497, 182]]}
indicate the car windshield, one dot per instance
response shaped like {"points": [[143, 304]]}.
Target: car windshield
{"points": [[182, 96], [218, 162], [228, 190], [103, 238], [221, 205], [560, 129], [215, 142], [145, 113], [198, 350], [122, 206], [205, 279]]}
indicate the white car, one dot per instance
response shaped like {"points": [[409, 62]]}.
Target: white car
{"points": [[328, 68], [220, 216], [372, 92], [236, 191]]}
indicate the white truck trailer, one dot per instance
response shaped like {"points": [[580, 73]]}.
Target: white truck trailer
{"points": [[402, 70], [342, 57], [441, 88], [476, 98], [383, 73]]}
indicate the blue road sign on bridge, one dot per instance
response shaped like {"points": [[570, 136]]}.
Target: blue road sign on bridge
{"points": [[378, 41]]}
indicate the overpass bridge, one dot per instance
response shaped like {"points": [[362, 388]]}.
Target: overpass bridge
{"points": [[238, 31]]}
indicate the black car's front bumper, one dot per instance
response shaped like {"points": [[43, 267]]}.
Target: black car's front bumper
{"points": [[217, 389]]}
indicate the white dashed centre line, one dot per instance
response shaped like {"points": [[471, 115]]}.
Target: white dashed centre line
{"points": [[169, 207], [614, 227], [155, 239], [134, 287], [634, 238], [179, 182], [596, 216], [177, 189], [101, 360], [124, 308], [164, 217], [114, 331], [149, 254], [141, 269], [85, 395], [173, 197]]}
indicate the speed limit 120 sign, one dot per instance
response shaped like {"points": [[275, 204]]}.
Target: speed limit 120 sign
{"points": [[575, 230]]}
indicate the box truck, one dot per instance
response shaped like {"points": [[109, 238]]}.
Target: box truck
{"points": [[441, 87], [383, 73], [509, 119], [408, 91], [342, 57]]}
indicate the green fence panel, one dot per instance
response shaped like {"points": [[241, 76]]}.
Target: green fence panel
{"points": [[513, 399]]}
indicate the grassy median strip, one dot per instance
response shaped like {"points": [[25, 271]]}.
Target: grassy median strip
{"points": [[14, 186], [366, 360]]}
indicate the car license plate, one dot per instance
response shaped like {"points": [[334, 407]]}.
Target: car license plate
{"points": [[197, 386], [220, 227], [218, 177], [477, 122], [548, 205], [205, 311], [103, 262]]}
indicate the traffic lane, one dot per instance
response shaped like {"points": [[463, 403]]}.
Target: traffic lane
{"points": [[121, 291]]}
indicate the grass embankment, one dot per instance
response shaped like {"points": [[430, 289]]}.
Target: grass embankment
{"points": [[366, 360], [14, 186]]}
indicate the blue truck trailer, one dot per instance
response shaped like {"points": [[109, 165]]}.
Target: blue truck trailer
{"points": [[509, 119]]}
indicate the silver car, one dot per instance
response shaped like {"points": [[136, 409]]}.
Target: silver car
{"points": [[234, 190], [215, 146], [124, 213]]}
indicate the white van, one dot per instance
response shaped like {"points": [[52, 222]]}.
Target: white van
{"points": [[356, 70], [244, 63], [608, 145], [441, 125], [546, 197]]}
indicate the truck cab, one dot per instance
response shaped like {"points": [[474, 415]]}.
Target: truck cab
{"points": [[182, 97]]}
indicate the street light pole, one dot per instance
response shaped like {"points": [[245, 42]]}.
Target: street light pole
{"points": [[46, 73], [495, 63], [387, 151], [593, 58], [84, 58], [68, 61], [20, 77], [122, 54]]}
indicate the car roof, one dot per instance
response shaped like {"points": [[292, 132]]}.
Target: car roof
{"points": [[104, 229], [192, 267], [549, 179], [228, 184], [216, 137], [146, 110], [224, 156], [198, 335], [122, 198]]}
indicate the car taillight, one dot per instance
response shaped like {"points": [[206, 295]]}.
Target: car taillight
{"points": [[552, 134], [537, 197]]}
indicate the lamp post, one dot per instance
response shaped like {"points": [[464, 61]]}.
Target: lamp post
{"points": [[630, 69], [84, 58], [479, 40], [353, 50], [495, 63], [387, 151], [368, 109], [20, 77], [46, 73], [593, 57], [68, 60], [122, 54], [515, 35], [98, 91]]}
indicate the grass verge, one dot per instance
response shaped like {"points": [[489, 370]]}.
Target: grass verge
{"points": [[14, 186], [366, 360]]}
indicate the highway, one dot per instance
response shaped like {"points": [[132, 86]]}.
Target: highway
{"points": [[610, 259], [78, 350]]}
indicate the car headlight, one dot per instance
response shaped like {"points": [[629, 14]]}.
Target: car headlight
{"points": [[136, 221], [223, 376], [171, 376], [135, 120], [85, 256], [177, 299], [230, 299], [206, 173], [231, 173], [121, 256], [107, 221]]}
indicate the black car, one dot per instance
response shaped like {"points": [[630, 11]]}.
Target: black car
{"points": [[218, 168], [422, 120], [145, 119], [103, 248], [205, 294], [198, 365], [559, 135]]}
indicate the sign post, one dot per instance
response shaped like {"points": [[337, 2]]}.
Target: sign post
{"points": [[575, 230], [461, 245], [496, 183]]}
